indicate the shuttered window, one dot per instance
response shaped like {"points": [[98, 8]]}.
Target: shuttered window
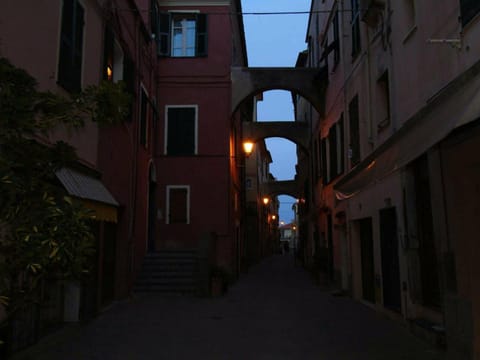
{"points": [[355, 24], [181, 137], [332, 142], [130, 85], [71, 46], [354, 151], [182, 35], [178, 205], [333, 152], [336, 39]]}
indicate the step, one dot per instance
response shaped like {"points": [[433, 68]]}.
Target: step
{"points": [[172, 271]]}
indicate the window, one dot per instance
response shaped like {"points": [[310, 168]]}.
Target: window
{"points": [[333, 151], [178, 205], [383, 102], [336, 39], [334, 45], [113, 58], [71, 46], [182, 35], [332, 144], [129, 79], [354, 150], [339, 128], [469, 9], [181, 130], [143, 117], [355, 28]]}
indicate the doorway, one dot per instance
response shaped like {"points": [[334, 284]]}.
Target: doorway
{"points": [[390, 262], [366, 255]]}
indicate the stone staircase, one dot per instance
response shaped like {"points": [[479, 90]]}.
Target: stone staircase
{"points": [[169, 272]]}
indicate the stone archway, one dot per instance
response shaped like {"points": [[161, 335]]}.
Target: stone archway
{"points": [[310, 83], [296, 132], [286, 187]]}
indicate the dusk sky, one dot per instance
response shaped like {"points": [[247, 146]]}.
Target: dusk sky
{"points": [[276, 40]]}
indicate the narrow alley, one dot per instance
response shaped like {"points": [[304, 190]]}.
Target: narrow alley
{"points": [[273, 312]]}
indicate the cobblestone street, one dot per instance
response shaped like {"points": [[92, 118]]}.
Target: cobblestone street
{"points": [[273, 312]]}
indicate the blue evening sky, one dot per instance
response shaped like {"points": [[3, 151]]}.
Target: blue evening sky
{"points": [[276, 40]]}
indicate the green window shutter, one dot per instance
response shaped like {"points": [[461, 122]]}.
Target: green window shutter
{"points": [[202, 35], [163, 39], [181, 132]]}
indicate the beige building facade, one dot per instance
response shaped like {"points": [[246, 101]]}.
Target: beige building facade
{"points": [[391, 179]]}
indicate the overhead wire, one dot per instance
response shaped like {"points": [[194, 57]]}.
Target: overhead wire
{"points": [[267, 13]]}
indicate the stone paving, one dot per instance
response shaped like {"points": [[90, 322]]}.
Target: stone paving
{"points": [[273, 312]]}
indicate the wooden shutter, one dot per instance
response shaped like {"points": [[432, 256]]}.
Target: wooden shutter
{"points": [[336, 39], [354, 131], [181, 131], [71, 46], [78, 48], [178, 206], [163, 40], [66, 46], [202, 35], [129, 79], [332, 142]]}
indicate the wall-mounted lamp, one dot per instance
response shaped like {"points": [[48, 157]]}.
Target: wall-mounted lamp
{"points": [[274, 217], [266, 200], [248, 147], [109, 72]]}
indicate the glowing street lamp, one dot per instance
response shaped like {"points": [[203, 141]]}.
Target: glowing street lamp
{"points": [[266, 200], [274, 217], [248, 147]]}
